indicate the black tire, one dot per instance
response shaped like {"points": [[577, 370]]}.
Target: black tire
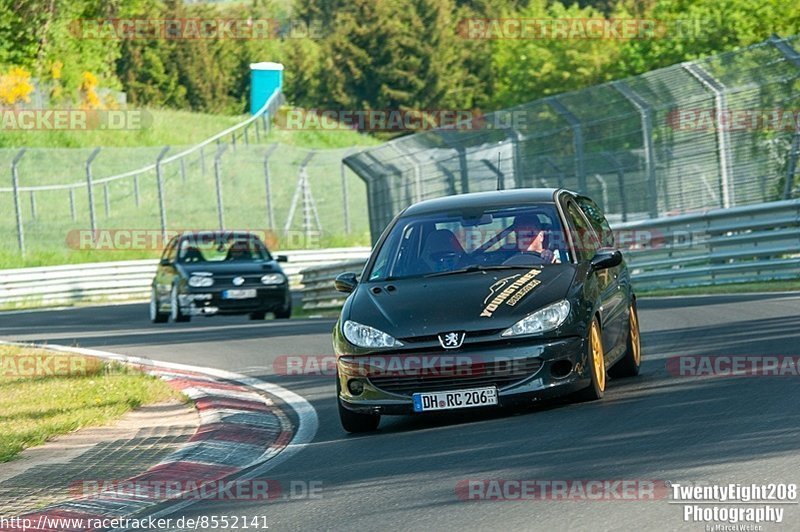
{"points": [[257, 316], [175, 309], [597, 387], [284, 313], [631, 362], [156, 316], [354, 422]]}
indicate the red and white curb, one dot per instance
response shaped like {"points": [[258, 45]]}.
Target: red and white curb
{"points": [[242, 434]]}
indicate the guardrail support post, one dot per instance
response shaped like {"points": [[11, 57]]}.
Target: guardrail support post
{"points": [[183, 170], [218, 182], [17, 209], [202, 161], [162, 209], [268, 187], [90, 192]]}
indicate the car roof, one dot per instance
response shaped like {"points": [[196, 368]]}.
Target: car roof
{"points": [[216, 234], [482, 200]]}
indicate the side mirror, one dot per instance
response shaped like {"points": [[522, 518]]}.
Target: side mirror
{"points": [[165, 262], [282, 258], [345, 282], [606, 258]]}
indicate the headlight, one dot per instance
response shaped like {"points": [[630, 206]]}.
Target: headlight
{"points": [[273, 278], [201, 281], [364, 336], [542, 320]]}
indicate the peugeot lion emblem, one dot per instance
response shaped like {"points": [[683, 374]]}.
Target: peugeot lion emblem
{"points": [[452, 340]]}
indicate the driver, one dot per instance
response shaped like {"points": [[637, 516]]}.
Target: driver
{"points": [[530, 238]]}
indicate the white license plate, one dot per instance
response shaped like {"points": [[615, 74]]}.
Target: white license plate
{"points": [[242, 293], [429, 401]]}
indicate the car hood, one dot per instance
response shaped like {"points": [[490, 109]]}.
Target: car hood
{"points": [[232, 268], [473, 301]]}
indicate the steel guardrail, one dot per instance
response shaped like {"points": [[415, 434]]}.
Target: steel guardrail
{"points": [[125, 280]]}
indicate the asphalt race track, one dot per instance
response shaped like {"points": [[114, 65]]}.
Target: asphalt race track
{"points": [[655, 427]]}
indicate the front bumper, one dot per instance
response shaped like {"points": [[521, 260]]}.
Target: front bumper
{"points": [[204, 302], [563, 369]]}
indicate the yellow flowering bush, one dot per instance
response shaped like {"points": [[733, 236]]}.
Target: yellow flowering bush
{"points": [[15, 86], [88, 91]]}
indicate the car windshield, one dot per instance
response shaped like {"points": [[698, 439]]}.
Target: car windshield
{"points": [[458, 242], [212, 247]]}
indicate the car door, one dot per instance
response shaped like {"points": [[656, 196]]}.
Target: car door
{"points": [[165, 272], [599, 284], [616, 298]]}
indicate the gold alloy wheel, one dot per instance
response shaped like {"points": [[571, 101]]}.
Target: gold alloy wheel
{"points": [[597, 356], [636, 344]]}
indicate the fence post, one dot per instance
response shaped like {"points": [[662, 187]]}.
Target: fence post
{"points": [[258, 134], [33, 205], [620, 182], [345, 195], [792, 166], [90, 192], [72, 203], [577, 139], [203, 161], [218, 181], [246, 136], [646, 114], [136, 190], [106, 202], [270, 212], [723, 142], [162, 210], [183, 170], [501, 177], [17, 209]]}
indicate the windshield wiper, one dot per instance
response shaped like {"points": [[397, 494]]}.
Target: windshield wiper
{"points": [[482, 268]]}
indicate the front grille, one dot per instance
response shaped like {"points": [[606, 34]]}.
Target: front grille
{"points": [[500, 374], [435, 337]]}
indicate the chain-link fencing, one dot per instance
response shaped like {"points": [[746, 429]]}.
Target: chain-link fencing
{"points": [[717, 132]]}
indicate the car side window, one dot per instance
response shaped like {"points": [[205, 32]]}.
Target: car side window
{"points": [[583, 236], [598, 221]]}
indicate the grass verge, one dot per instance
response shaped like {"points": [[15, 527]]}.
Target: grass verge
{"points": [[43, 394], [158, 128], [733, 288]]}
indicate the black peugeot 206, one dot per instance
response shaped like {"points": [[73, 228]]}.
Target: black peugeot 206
{"points": [[218, 272], [485, 299]]}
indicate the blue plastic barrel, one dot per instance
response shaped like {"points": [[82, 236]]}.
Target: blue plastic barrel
{"points": [[265, 79]]}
